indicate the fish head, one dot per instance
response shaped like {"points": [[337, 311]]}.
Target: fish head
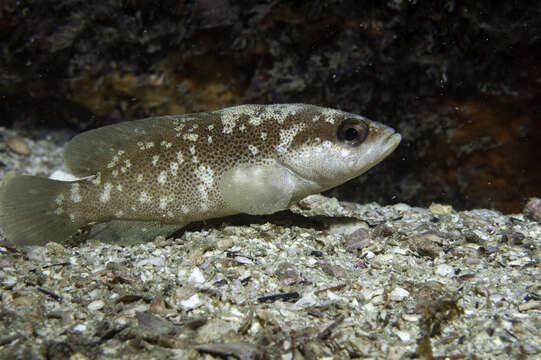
{"points": [[329, 147]]}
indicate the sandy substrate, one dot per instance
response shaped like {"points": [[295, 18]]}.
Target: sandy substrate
{"points": [[328, 280]]}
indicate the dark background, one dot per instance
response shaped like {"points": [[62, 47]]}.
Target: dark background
{"points": [[459, 79]]}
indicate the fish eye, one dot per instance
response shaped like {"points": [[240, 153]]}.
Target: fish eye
{"points": [[352, 132]]}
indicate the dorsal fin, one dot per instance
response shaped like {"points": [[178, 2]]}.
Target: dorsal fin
{"points": [[90, 151]]}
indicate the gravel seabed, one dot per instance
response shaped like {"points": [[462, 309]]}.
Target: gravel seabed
{"points": [[327, 280]]}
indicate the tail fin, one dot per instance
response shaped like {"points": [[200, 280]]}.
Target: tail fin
{"points": [[28, 211]]}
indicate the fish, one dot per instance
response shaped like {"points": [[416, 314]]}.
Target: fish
{"points": [[172, 170]]}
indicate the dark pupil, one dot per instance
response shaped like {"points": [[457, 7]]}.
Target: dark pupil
{"points": [[351, 134]]}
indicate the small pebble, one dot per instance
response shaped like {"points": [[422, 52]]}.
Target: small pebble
{"points": [[197, 276], [382, 230], [399, 294], [24, 301], [80, 328], [426, 244], [17, 145], [237, 350], [6, 262], [332, 269], [531, 305], [158, 306], [191, 303], [533, 208], [316, 253], [445, 270], [530, 349], [287, 273], [9, 281], [224, 244], [307, 300], [244, 260], [368, 255], [401, 207], [96, 305], [357, 240], [472, 261], [404, 336], [513, 237], [155, 261], [439, 209]]}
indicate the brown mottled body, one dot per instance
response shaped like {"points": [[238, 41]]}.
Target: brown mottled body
{"points": [[178, 169], [179, 163]]}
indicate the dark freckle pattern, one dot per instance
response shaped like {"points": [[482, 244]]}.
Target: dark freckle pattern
{"points": [[171, 173]]}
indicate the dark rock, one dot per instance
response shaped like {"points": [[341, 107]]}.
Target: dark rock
{"points": [[426, 244], [533, 209]]}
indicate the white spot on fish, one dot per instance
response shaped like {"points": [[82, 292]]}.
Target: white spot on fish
{"points": [[113, 162], [190, 136], [139, 177], [229, 122], [144, 197], [263, 136], [164, 200], [162, 177], [166, 144], [106, 195], [180, 158], [242, 127], [287, 136], [155, 159], [290, 110], [115, 173], [254, 150], [75, 196], [255, 120], [205, 175], [72, 218], [210, 127], [119, 188], [149, 145], [59, 199], [174, 168], [203, 197], [97, 179], [209, 139], [192, 150], [127, 163]]}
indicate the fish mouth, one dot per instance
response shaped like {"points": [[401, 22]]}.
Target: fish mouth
{"points": [[392, 141], [380, 150]]}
